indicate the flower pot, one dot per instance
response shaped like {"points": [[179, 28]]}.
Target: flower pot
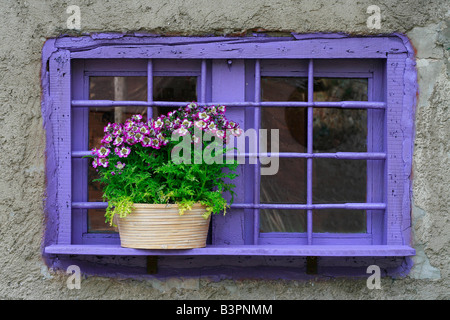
{"points": [[160, 226]]}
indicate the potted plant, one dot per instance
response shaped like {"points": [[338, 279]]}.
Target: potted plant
{"points": [[157, 200]]}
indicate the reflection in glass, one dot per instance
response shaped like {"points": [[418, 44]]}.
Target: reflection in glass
{"points": [[339, 130], [339, 181], [276, 220], [340, 89]]}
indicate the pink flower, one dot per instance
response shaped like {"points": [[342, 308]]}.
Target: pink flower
{"points": [[120, 165], [156, 143], [220, 134], [186, 123], [107, 139], [182, 131], [122, 152], [158, 123], [138, 137], [118, 141], [130, 139], [146, 142], [236, 131], [109, 128], [103, 162], [103, 152], [200, 124], [203, 116], [221, 109], [144, 129]]}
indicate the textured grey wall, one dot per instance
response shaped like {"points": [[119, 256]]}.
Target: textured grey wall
{"points": [[24, 27]]}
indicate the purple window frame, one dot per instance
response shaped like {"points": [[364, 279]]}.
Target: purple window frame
{"points": [[391, 108]]}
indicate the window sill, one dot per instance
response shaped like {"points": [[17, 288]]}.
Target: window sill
{"points": [[239, 250]]}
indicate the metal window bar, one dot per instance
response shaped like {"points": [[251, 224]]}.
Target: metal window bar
{"points": [[322, 104], [257, 166], [150, 88], [309, 147], [257, 104], [288, 206]]}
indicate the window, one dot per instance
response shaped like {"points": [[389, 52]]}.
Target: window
{"points": [[343, 108]]}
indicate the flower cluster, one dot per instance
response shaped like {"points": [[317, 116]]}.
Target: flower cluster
{"points": [[119, 138]]}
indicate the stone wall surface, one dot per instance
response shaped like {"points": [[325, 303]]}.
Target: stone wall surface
{"points": [[25, 26]]}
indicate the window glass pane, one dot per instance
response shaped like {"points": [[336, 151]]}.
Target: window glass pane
{"points": [[291, 125], [171, 88], [339, 130], [339, 221], [288, 185], [276, 220], [340, 89], [284, 89], [339, 181], [117, 89], [291, 122]]}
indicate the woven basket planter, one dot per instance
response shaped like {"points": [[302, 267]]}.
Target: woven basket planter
{"points": [[160, 226]]}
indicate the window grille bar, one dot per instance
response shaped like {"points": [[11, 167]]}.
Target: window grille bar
{"points": [[149, 88], [278, 104], [285, 206], [203, 83], [309, 147], [257, 173], [337, 155]]}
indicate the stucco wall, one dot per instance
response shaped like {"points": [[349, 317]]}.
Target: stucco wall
{"points": [[24, 27]]}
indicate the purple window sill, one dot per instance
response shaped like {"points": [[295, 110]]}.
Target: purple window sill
{"points": [[247, 250]]}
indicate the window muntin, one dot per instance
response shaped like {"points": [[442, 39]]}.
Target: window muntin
{"points": [[290, 184]]}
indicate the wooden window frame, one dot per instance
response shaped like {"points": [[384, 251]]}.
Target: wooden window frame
{"points": [[397, 98]]}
